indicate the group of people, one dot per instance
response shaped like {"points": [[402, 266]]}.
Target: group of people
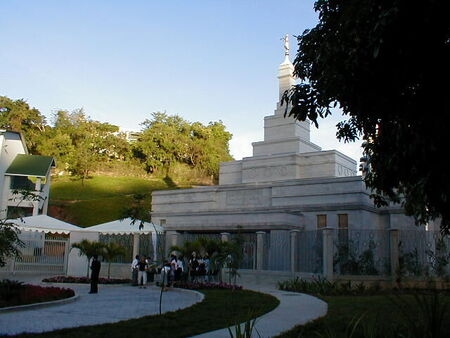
{"points": [[172, 270], [142, 271], [200, 268]]}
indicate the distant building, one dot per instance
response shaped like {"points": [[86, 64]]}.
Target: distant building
{"points": [[22, 171], [131, 136]]}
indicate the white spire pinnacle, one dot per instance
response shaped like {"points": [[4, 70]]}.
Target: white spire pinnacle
{"points": [[286, 48]]}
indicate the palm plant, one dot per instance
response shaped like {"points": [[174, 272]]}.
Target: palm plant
{"points": [[111, 251], [89, 249]]}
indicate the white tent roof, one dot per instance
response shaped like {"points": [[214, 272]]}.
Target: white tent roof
{"points": [[124, 227], [45, 224]]}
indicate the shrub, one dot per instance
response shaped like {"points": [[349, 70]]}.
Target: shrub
{"points": [[323, 287], [206, 286], [14, 293]]}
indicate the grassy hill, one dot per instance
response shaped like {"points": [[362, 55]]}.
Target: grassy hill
{"points": [[101, 198]]}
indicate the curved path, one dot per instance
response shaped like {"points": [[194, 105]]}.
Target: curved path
{"points": [[294, 309], [113, 303]]}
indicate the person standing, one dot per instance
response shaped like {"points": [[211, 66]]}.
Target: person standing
{"points": [[207, 263], [193, 267], [142, 273], [134, 270], [95, 272], [180, 269]]}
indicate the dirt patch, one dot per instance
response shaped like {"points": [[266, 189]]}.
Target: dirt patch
{"points": [[59, 212]]}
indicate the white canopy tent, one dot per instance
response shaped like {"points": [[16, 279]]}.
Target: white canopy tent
{"points": [[126, 227], [44, 223]]}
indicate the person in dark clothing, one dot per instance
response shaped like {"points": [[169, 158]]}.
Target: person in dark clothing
{"points": [[95, 267], [193, 267]]}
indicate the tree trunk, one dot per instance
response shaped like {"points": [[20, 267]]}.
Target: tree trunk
{"points": [[89, 263]]}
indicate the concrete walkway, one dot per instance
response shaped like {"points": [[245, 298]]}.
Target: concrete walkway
{"points": [[111, 304], [294, 309], [120, 302]]}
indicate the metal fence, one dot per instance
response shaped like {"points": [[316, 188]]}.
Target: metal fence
{"points": [[192, 237], [41, 253], [309, 256], [424, 253], [361, 252], [125, 241], [278, 250], [354, 252], [248, 249]]}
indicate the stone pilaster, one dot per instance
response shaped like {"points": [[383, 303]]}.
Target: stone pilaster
{"points": [[260, 236], [393, 250], [294, 250], [135, 245], [328, 253]]}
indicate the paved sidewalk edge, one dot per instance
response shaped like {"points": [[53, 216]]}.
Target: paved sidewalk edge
{"points": [[38, 305]]}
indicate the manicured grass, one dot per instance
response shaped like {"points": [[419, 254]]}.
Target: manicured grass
{"points": [[92, 212], [219, 309], [100, 199], [381, 317], [97, 187]]}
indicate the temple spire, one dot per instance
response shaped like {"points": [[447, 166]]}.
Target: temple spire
{"points": [[285, 73], [286, 48]]}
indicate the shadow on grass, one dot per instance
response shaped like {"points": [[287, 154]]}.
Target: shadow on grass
{"points": [[170, 183]]}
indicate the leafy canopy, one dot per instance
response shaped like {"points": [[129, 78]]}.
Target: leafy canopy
{"points": [[167, 139], [385, 64]]}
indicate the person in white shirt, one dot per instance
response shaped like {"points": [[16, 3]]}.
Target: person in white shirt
{"points": [[142, 273], [134, 270]]}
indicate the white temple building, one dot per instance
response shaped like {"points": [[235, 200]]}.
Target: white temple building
{"points": [[288, 183]]}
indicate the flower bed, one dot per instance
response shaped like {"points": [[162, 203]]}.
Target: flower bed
{"points": [[13, 293], [206, 286], [85, 280]]}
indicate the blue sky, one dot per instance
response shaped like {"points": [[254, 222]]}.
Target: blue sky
{"points": [[123, 60]]}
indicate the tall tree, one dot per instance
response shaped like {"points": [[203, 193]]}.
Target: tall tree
{"points": [[83, 144], [17, 115], [385, 63], [167, 139]]}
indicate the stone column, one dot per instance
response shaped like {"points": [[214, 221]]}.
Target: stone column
{"points": [[393, 249], [260, 236], [48, 183], [135, 245], [38, 184], [328, 253], [225, 236], [173, 238], [294, 250], [5, 196], [37, 188]]}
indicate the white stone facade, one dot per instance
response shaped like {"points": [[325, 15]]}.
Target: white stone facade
{"points": [[287, 183]]}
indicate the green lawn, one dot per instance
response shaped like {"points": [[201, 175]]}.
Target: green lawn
{"points": [[379, 317], [219, 309], [102, 187], [100, 199]]}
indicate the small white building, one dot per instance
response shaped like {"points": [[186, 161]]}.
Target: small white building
{"points": [[22, 171]]}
